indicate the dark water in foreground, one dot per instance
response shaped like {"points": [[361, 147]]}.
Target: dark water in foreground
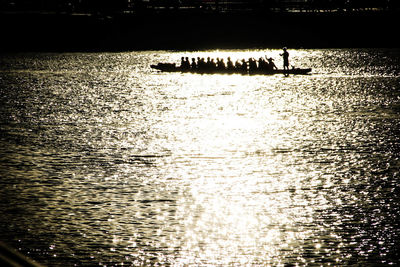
{"points": [[105, 162]]}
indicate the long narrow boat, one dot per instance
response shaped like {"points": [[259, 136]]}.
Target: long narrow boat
{"points": [[171, 67]]}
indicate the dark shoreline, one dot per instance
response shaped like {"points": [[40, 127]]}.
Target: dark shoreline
{"points": [[37, 32]]}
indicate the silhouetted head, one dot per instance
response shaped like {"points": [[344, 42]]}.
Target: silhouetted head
{"points": [[285, 48]]}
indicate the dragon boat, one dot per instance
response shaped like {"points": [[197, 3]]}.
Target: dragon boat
{"points": [[171, 67]]}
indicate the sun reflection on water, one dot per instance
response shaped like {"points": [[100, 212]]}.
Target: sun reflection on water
{"points": [[233, 145]]}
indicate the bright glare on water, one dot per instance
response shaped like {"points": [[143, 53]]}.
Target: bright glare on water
{"points": [[104, 161]]}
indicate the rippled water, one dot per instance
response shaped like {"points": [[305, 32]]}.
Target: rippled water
{"points": [[106, 162]]}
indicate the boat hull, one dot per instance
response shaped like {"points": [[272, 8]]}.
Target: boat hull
{"points": [[170, 67]]}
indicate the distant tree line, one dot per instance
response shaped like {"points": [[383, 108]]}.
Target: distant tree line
{"points": [[137, 6]]}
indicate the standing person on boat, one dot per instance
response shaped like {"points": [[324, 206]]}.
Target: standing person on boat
{"points": [[285, 56]]}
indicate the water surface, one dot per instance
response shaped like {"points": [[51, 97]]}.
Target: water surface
{"points": [[104, 161]]}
